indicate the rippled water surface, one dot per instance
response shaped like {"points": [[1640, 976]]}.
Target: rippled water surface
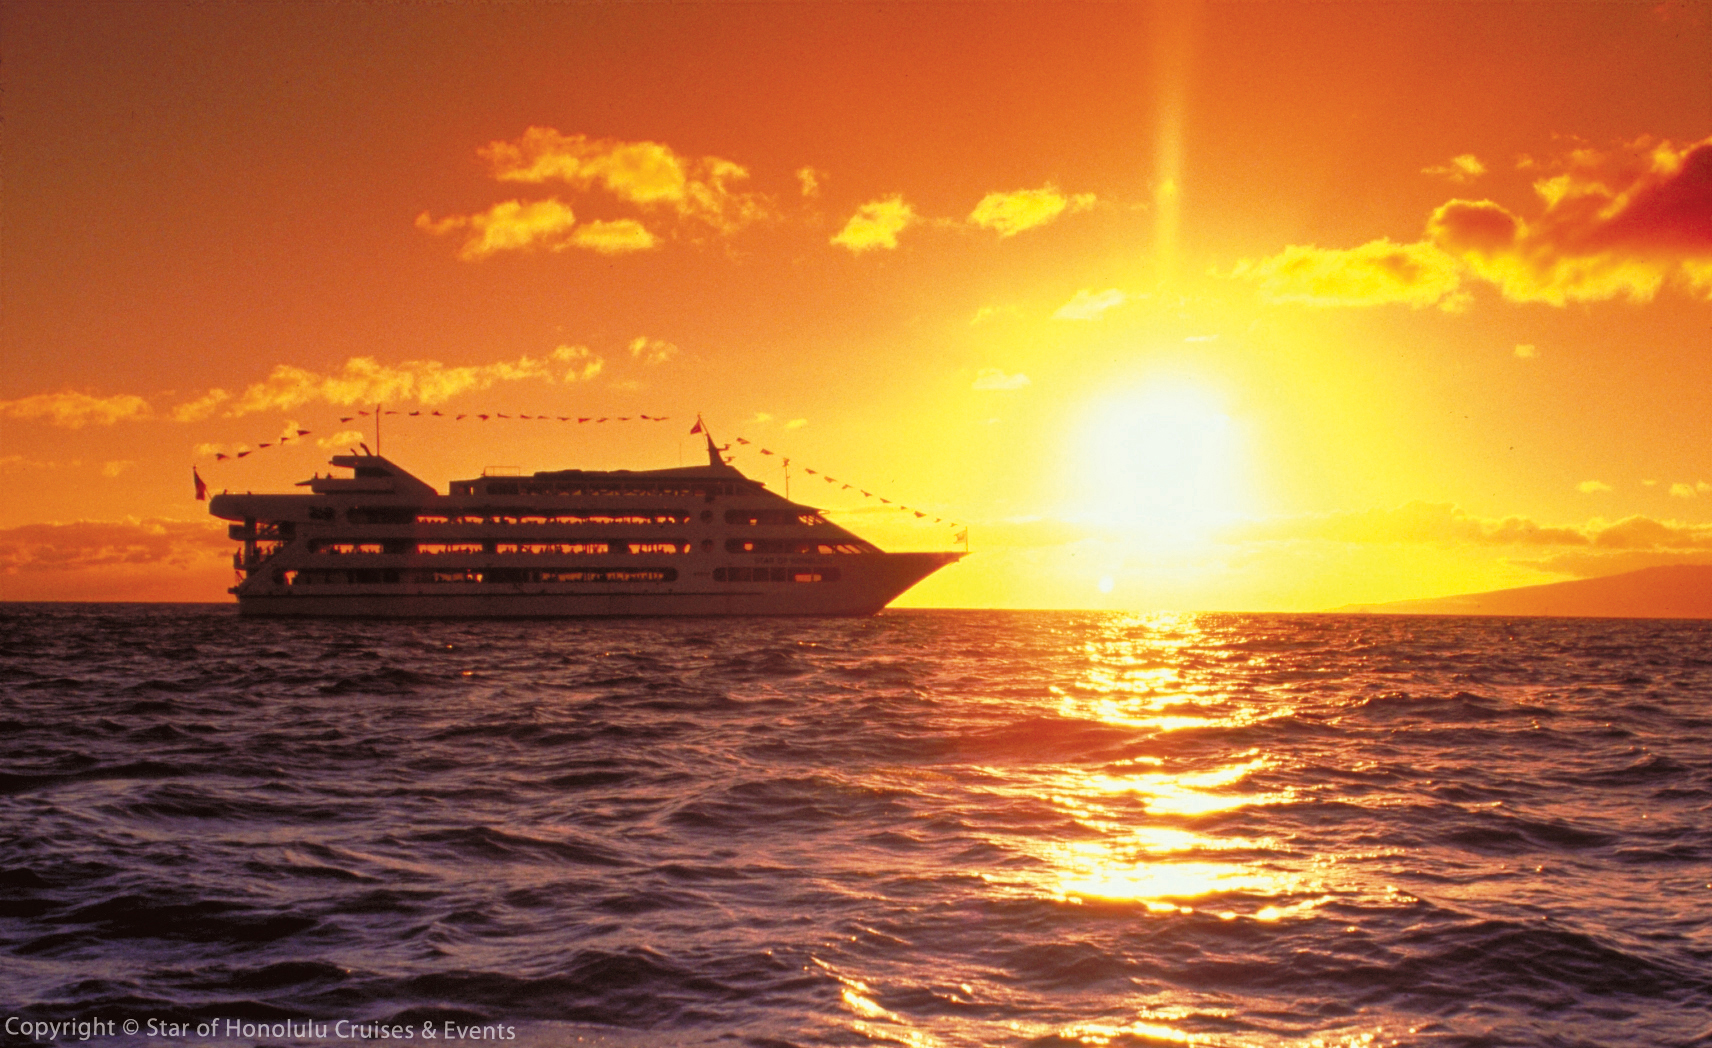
{"points": [[923, 829]]}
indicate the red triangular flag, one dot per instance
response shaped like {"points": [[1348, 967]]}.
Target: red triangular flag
{"points": [[201, 488], [697, 427]]}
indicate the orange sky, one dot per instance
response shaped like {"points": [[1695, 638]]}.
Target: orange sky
{"points": [[1219, 306]]}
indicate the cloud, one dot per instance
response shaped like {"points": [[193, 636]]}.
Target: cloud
{"points": [[1526, 351], [1616, 223], [200, 408], [652, 351], [651, 175], [20, 464], [993, 378], [1090, 305], [1430, 522], [584, 364], [1682, 491], [1592, 487], [810, 180], [364, 381], [617, 237], [39, 548], [345, 438], [1011, 213], [796, 423], [76, 410], [510, 226], [1460, 169], [116, 467], [1374, 273], [876, 224]]}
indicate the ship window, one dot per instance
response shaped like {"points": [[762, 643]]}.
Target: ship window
{"points": [[637, 548], [707, 545], [345, 547], [426, 518], [439, 548], [608, 575], [466, 575]]}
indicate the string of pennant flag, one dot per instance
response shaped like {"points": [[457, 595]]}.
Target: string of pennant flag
{"points": [[493, 415], [843, 485], [295, 436]]}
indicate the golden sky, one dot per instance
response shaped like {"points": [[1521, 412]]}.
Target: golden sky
{"points": [[1197, 306]]}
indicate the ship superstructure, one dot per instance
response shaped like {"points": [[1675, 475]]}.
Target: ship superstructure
{"points": [[698, 540]]}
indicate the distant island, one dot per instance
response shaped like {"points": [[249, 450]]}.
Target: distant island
{"points": [[1681, 591]]}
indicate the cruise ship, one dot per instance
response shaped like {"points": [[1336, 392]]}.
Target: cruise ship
{"points": [[697, 540]]}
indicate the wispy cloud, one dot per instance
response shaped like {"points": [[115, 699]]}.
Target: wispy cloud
{"points": [[652, 351], [200, 408], [345, 438], [876, 224], [584, 363], [363, 380], [1374, 273], [1090, 305], [1592, 487], [510, 226], [76, 410], [1010, 213], [1431, 522], [1460, 169], [618, 237], [996, 379]]}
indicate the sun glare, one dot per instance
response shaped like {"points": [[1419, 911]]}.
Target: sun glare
{"points": [[1162, 465]]}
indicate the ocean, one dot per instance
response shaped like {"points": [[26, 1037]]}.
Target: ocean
{"points": [[1051, 829]]}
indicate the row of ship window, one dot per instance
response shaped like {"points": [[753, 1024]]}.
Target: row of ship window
{"points": [[588, 488], [497, 515], [393, 576], [583, 549]]}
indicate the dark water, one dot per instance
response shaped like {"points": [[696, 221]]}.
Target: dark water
{"points": [[922, 829]]}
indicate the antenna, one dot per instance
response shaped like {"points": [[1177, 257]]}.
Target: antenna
{"points": [[377, 414]]}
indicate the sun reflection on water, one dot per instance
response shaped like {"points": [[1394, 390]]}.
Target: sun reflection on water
{"points": [[1145, 673]]}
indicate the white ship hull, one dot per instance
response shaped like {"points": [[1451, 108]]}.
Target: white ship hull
{"points": [[852, 597]]}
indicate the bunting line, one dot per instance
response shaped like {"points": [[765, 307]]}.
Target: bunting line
{"points": [[843, 486], [246, 449]]}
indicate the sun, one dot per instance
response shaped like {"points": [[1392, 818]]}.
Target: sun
{"points": [[1162, 463]]}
